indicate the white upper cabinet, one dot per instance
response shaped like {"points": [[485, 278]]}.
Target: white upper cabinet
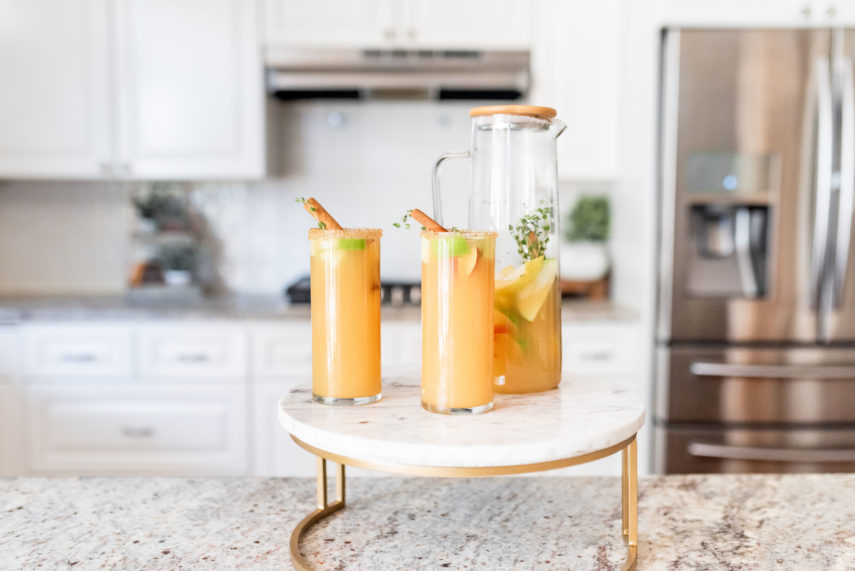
{"points": [[576, 69], [190, 89], [331, 23], [445, 24], [500, 24], [157, 89], [54, 89]]}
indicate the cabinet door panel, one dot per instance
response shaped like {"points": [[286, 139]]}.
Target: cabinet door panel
{"points": [[475, 24], [332, 23], [198, 352], [130, 430], [190, 89], [63, 352], [54, 100]]}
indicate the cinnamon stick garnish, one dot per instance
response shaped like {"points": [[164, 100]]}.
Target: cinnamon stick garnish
{"points": [[314, 208], [426, 221]]}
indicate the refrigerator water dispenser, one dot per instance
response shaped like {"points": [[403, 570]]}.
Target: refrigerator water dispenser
{"points": [[729, 254]]}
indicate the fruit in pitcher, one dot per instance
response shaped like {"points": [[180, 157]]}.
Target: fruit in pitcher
{"points": [[531, 297]]}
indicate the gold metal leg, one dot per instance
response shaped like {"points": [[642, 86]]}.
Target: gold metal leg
{"points": [[629, 502], [324, 509]]}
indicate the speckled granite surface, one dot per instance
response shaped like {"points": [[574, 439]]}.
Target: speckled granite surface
{"points": [[14, 309], [798, 522]]}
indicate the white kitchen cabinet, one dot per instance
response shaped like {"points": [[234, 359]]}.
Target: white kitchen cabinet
{"points": [[499, 24], [66, 352], [441, 24], [274, 453], [401, 347], [55, 104], [575, 69], [202, 353], [190, 89], [177, 430], [610, 351], [13, 437], [146, 89], [282, 351], [331, 23], [744, 13], [10, 348]]}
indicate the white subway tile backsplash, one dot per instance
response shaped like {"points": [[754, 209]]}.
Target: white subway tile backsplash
{"points": [[368, 162]]}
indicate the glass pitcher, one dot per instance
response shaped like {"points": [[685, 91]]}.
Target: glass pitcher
{"points": [[514, 191]]}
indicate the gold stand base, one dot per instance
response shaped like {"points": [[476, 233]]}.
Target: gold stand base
{"points": [[629, 489]]}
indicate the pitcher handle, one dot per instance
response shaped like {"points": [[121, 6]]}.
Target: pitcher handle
{"points": [[437, 197]]}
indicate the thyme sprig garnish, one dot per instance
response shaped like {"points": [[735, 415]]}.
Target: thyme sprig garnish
{"points": [[532, 233], [405, 221]]}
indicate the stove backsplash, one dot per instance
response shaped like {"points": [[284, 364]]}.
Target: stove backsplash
{"points": [[366, 162]]}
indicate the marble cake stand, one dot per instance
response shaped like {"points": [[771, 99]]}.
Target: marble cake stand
{"points": [[580, 421]]}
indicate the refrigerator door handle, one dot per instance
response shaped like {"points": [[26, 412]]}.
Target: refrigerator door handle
{"points": [[701, 369], [822, 182], [742, 242], [847, 176], [757, 454]]}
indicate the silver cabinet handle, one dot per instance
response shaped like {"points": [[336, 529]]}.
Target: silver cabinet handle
{"points": [[78, 358], [843, 71], [772, 371], [821, 84], [596, 356], [137, 431], [728, 452], [105, 168], [192, 358]]}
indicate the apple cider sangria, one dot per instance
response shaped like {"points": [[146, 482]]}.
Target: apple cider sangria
{"points": [[527, 318], [345, 306], [457, 319]]}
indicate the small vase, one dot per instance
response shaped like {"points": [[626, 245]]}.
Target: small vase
{"points": [[584, 261]]}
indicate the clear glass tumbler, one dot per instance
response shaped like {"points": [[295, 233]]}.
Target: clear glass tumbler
{"points": [[345, 276], [457, 321]]}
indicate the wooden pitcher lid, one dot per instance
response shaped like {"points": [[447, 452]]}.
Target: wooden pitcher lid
{"points": [[527, 110]]}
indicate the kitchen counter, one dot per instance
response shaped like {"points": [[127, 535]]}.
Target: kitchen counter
{"points": [[14, 309], [797, 522]]}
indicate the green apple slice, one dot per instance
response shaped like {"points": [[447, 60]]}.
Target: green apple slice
{"points": [[530, 298], [450, 247], [351, 244]]}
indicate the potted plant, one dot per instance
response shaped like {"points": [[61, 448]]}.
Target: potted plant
{"points": [[178, 264], [584, 256]]}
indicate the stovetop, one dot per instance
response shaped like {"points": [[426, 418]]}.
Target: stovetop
{"points": [[393, 293]]}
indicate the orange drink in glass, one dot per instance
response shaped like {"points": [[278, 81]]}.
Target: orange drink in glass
{"points": [[345, 278], [457, 321]]}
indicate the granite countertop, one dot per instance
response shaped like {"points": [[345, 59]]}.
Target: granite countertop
{"points": [[14, 309], [793, 522]]}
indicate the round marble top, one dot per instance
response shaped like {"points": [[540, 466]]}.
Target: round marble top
{"points": [[580, 416]]}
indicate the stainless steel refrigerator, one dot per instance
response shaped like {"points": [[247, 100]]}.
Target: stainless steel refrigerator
{"points": [[755, 367]]}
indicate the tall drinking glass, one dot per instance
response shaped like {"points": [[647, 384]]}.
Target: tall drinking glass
{"points": [[457, 321], [345, 276]]}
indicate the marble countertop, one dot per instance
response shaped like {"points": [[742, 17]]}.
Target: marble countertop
{"points": [[792, 522], [14, 309]]}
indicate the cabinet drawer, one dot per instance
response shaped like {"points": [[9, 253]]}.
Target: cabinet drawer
{"points": [[137, 431], [215, 351], [78, 350], [600, 351], [283, 351]]}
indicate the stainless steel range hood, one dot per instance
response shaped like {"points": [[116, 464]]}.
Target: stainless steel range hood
{"points": [[436, 74]]}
